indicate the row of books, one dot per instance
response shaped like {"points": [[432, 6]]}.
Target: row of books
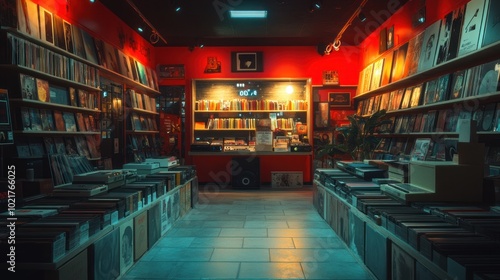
{"points": [[139, 122], [87, 146], [34, 119], [141, 101], [33, 56], [459, 32], [41, 90], [246, 105], [140, 147], [487, 118], [476, 81], [37, 22]]}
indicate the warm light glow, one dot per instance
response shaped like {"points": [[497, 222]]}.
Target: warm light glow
{"points": [[289, 89]]}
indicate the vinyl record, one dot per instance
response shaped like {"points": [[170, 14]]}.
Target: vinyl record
{"points": [[489, 82]]}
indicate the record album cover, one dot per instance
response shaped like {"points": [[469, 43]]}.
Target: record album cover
{"points": [[36, 120], [106, 256], [458, 84], [69, 122], [78, 46], [28, 87], [43, 92], [27, 16], [126, 245], [140, 235], [429, 46], [398, 62], [489, 74], [154, 224], [46, 25], [492, 25], [89, 46], [59, 121], [472, 29]]}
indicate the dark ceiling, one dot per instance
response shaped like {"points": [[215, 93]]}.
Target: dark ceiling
{"points": [[289, 22]]}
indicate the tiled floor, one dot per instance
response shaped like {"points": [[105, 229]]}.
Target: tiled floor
{"points": [[255, 234]]}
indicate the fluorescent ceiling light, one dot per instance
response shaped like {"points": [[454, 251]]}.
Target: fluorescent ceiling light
{"points": [[248, 14]]}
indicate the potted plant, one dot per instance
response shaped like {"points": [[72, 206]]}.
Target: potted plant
{"points": [[359, 139]]}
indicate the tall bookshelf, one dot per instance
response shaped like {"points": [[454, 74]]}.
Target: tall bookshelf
{"points": [[58, 79]]}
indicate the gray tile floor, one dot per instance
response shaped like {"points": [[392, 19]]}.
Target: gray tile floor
{"points": [[255, 234]]}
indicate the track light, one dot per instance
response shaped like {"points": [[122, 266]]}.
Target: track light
{"points": [[140, 29], [315, 5], [361, 16], [336, 43]]}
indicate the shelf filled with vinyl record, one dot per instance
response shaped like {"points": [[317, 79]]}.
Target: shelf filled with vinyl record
{"points": [[446, 73], [142, 130]]}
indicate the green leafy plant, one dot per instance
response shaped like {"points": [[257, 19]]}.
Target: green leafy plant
{"points": [[359, 139]]}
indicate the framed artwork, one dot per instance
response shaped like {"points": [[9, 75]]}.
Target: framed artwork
{"points": [[330, 77], [390, 38], [171, 71], [339, 99], [382, 46], [246, 62]]}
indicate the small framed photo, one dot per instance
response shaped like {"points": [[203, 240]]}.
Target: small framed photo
{"points": [[246, 62], [339, 99], [390, 38]]}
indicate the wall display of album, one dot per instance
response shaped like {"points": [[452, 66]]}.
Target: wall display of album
{"points": [[403, 265], [126, 245], [28, 87], [154, 224], [429, 46], [166, 215], [247, 62], [140, 235], [492, 26], [105, 256], [473, 27]]}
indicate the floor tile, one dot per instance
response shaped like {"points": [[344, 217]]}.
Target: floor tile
{"points": [[243, 232], [266, 224], [182, 254], [261, 270], [240, 255], [268, 243], [317, 255], [300, 232], [337, 271], [217, 242], [205, 270], [257, 234], [318, 242]]}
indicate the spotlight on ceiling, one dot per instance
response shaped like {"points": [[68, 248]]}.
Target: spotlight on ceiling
{"points": [[315, 5], [361, 16]]}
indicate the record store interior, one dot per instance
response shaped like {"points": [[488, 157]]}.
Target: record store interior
{"points": [[263, 139]]}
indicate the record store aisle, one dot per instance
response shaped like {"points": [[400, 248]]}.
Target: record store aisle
{"points": [[250, 235]]}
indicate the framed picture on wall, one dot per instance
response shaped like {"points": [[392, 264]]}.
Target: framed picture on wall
{"points": [[171, 71], [246, 62], [339, 99]]}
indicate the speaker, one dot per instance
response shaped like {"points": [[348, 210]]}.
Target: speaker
{"points": [[245, 173]]}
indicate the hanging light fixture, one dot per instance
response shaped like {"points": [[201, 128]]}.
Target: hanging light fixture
{"points": [[155, 36], [335, 45]]}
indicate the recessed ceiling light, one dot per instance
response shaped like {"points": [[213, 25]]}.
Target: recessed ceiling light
{"points": [[248, 14]]}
